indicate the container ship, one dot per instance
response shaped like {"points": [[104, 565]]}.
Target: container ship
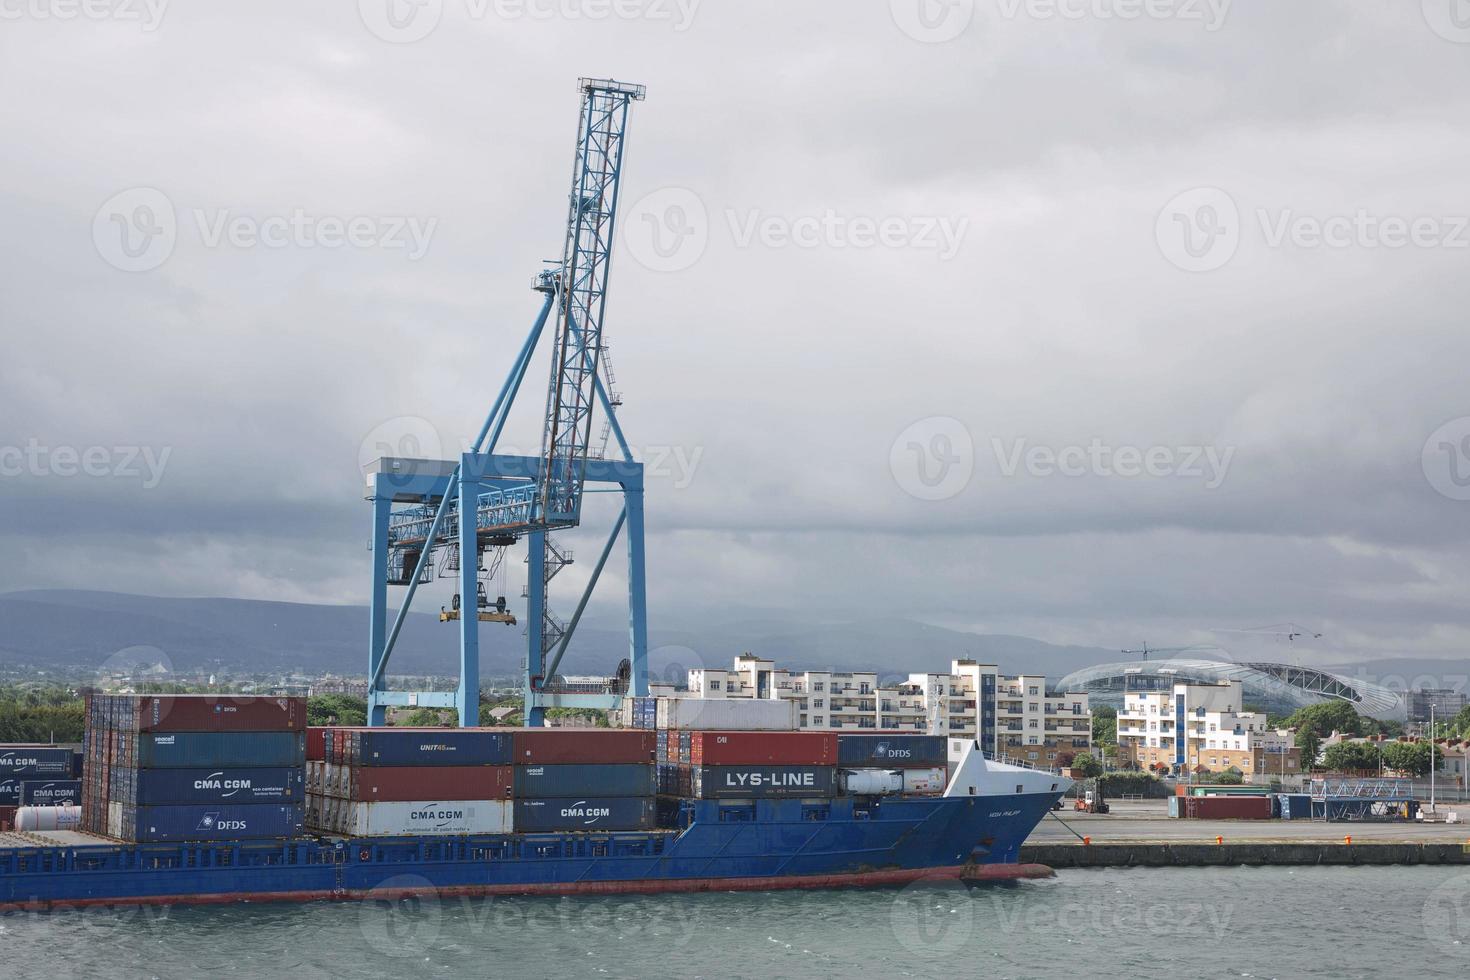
{"points": [[198, 799]]}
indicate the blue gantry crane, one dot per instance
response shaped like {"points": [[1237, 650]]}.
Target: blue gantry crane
{"points": [[460, 516]]}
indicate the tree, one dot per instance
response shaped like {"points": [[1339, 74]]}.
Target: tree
{"points": [[336, 709], [1104, 725], [1310, 743], [1329, 717], [1411, 757], [1347, 756], [1086, 766], [1458, 726], [432, 718]]}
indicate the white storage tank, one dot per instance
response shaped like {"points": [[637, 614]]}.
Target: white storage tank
{"points": [[28, 818]]}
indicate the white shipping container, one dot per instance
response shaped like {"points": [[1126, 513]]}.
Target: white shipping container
{"points": [[728, 714], [427, 817]]}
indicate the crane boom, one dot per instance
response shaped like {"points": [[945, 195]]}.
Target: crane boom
{"points": [[586, 259]]}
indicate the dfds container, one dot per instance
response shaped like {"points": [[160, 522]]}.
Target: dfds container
{"points": [[152, 787], [36, 761], [51, 793], [763, 782], [209, 713], [733, 714], [405, 783], [892, 751], [762, 748], [585, 813], [441, 817], [587, 780], [207, 822], [572, 746], [430, 747], [219, 750]]}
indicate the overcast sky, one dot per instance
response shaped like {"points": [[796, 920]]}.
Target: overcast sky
{"points": [[1099, 322]]}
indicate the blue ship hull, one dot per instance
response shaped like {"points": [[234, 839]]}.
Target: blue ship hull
{"points": [[768, 844]]}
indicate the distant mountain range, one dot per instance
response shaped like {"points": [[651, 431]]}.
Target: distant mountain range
{"points": [[81, 630]]}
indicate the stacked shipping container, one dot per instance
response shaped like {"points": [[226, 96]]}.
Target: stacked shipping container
{"points": [[194, 767], [36, 775], [371, 782], [389, 781], [749, 765]]}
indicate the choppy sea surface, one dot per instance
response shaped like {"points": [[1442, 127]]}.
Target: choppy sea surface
{"points": [[1229, 922]]}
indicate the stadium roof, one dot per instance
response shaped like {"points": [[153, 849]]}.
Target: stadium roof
{"points": [[1281, 688]]}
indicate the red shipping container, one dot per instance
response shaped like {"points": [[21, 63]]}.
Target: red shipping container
{"points": [[1227, 807], [210, 713], [555, 746], [759, 748], [407, 783], [316, 744]]}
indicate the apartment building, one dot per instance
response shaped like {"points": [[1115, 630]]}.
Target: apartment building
{"points": [[1014, 716], [1202, 726]]}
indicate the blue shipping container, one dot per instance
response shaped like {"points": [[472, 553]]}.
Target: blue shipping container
{"points": [[211, 822], [221, 750], [763, 782], [585, 780], [892, 751], [55, 792], [10, 792], [589, 813], [158, 786], [445, 747], [43, 761]]}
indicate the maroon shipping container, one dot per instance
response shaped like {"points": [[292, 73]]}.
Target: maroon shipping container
{"points": [[406, 783], [316, 744], [757, 748], [209, 713], [1227, 807], [557, 746]]}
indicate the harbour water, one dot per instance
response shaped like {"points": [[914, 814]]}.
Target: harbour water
{"points": [[1228, 922]]}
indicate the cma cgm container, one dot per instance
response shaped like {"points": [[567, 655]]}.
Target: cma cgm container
{"points": [[757, 748], [732, 715], [585, 813], [51, 792], [395, 818], [428, 747], [571, 746], [763, 782], [593, 780], [892, 751], [218, 750], [10, 791], [208, 713], [36, 761], [206, 822], [147, 787], [407, 783]]}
